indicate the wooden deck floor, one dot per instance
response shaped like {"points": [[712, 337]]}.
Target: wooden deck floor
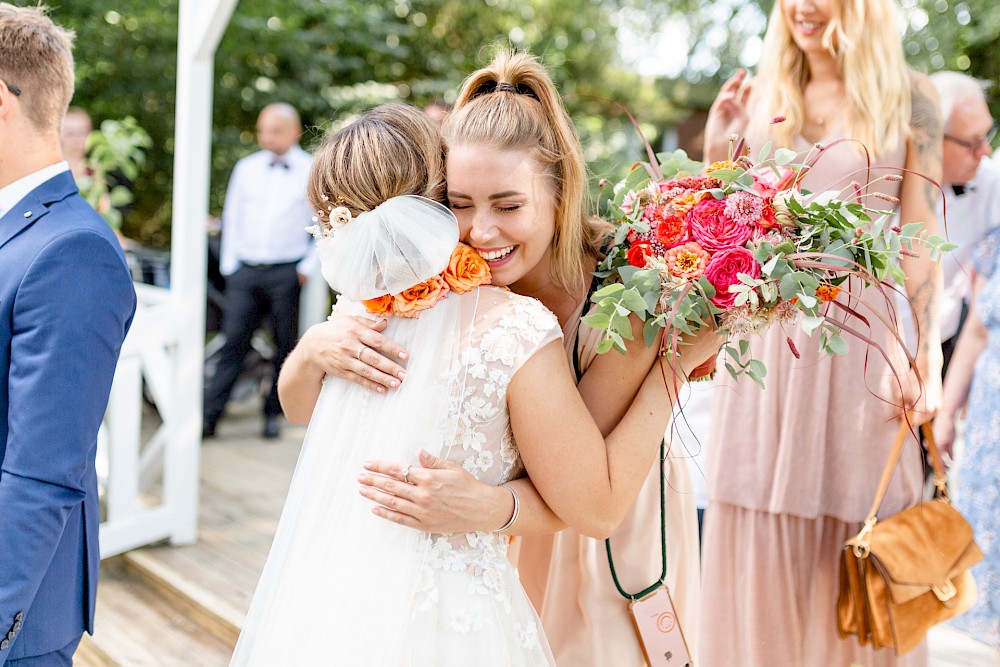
{"points": [[244, 480]]}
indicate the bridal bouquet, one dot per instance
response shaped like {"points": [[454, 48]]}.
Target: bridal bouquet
{"points": [[739, 246]]}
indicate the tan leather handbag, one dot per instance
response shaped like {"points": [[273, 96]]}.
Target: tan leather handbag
{"points": [[904, 574]]}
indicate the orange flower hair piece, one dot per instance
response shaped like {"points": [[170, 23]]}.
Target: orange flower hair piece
{"points": [[466, 270], [422, 296]]}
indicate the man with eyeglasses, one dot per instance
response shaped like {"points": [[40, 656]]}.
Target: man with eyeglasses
{"points": [[971, 186], [66, 302]]}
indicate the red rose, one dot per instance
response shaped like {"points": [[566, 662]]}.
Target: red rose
{"points": [[722, 272], [713, 230], [767, 218], [638, 254], [671, 231]]}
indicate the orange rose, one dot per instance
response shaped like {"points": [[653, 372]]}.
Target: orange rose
{"points": [[466, 270], [687, 261], [422, 296], [380, 305]]}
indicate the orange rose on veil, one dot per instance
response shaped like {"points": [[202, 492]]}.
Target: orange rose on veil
{"points": [[421, 296], [380, 305], [466, 270]]}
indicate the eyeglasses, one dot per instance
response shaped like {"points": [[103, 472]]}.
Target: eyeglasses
{"points": [[974, 146]]}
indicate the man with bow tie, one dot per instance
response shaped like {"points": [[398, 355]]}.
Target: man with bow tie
{"points": [[66, 303], [266, 255], [971, 191]]}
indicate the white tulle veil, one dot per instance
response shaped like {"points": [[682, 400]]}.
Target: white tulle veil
{"points": [[402, 242], [338, 577]]}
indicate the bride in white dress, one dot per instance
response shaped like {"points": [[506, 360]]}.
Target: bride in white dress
{"points": [[342, 587]]}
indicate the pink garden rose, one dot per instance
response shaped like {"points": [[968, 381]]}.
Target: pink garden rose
{"points": [[722, 272], [713, 230], [767, 183]]}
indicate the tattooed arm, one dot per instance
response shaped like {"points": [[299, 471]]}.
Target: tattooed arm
{"points": [[918, 202]]}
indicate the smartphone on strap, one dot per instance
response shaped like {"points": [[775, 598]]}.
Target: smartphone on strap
{"points": [[659, 630]]}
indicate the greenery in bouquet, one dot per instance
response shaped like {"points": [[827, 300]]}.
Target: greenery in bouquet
{"points": [[738, 245], [116, 150]]}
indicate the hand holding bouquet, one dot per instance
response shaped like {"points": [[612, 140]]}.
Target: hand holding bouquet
{"points": [[739, 246]]}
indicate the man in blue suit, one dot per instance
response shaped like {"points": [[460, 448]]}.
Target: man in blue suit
{"points": [[66, 302]]}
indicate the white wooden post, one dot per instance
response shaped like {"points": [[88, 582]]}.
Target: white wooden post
{"points": [[200, 27], [164, 351]]}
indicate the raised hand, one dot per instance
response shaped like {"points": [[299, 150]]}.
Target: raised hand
{"points": [[727, 116], [353, 349]]}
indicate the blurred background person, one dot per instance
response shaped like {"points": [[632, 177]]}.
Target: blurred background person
{"points": [[974, 382], [972, 191], [76, 127], [266, 256], [437, 110], [970, 207], [793, 468]]}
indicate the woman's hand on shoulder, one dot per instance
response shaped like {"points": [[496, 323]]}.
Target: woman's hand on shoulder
{"points": [[727, 116], [354, 349], [438, 496]]}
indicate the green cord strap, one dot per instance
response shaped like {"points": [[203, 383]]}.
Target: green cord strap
{"points": [[663, 535]]}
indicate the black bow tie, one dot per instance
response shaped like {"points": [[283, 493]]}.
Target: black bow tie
{"points": [[280, 163], [960, 190]]}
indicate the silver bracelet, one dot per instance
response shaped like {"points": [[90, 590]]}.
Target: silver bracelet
{"points": [[517, 508]]}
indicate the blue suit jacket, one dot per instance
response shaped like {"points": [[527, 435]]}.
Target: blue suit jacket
{"points": [[66, 302]]}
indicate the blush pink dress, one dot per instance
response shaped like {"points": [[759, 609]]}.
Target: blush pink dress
{"points": [[567, 578], [791, 474]]}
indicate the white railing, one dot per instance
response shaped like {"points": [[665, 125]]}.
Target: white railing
{"points": [[138, 475]]}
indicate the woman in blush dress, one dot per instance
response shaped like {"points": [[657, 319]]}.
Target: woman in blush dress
{"points": [[794, 467]]}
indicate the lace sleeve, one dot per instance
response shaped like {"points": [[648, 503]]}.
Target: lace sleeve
{"points": [[986, 254], [520, 326]]}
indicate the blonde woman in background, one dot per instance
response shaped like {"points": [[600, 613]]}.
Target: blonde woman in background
{"points": [[795, 466]]}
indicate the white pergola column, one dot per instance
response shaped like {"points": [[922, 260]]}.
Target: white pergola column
{"points": [[200, 27]]}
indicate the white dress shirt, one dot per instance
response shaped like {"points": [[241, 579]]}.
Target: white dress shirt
{"points": [[266, 213], [11, 195], [971, 216]]}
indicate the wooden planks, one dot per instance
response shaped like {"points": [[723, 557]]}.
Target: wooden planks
{"points": [[167, 606]]}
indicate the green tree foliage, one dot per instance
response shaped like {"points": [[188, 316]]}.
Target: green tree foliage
{"points": [[334, 58]]}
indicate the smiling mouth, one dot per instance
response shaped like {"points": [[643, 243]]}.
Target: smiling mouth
{"points": [[811, 27], [498, 254]]}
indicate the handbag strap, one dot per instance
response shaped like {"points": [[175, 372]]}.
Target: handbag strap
{"points": [[940, 477]]}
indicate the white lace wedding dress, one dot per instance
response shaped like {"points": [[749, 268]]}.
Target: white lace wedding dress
{"points": [[343, 587]]}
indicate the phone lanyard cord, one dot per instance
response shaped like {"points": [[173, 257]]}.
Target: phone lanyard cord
{"points": [[663, 542]]}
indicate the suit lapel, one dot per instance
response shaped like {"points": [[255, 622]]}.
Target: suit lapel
{"points": [[35, 205]]}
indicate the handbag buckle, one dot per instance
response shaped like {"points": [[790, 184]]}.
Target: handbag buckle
{"points": [[945, 592], [862, 546], [941, 483]]}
